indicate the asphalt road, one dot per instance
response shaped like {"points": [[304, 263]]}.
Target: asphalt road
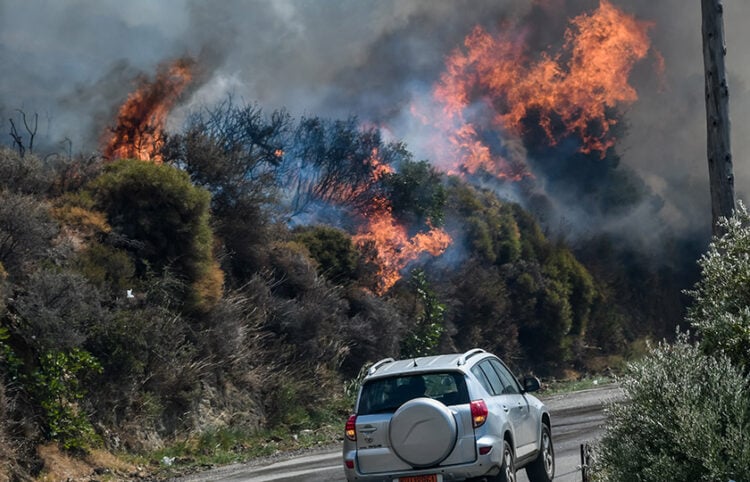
{"points": [[576, 418]]}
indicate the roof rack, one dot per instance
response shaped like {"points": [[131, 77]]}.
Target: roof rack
{"points": [[469, 354], [379, 364]]}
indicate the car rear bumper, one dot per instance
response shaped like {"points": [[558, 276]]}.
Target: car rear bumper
{"points": [[483, 465]]}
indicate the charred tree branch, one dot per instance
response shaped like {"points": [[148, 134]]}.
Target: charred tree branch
{"points": [[17, 138]]}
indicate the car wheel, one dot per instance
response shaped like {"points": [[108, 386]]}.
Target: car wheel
{"points": [[508, 469], [542, 469]]}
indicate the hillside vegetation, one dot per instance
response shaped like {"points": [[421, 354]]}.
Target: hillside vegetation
{"points": [[143, 302]]}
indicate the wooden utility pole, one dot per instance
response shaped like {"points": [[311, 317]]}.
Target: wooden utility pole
{"points": [[720, 173]]}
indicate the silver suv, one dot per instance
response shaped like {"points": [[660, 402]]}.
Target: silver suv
{"points": [[447, 417]]}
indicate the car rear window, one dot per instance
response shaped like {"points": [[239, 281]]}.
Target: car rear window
{"points": [[384, 395]]}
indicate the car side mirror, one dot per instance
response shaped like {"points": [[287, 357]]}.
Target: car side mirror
{"points": [[531, 384]]}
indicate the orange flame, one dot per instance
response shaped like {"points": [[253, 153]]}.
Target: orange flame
{"points": [[343, 193], [393, 246], [139, 133], [395, 250], [572, 91]]}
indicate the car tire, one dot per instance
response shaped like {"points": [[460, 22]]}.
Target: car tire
{"points": [[508, 469], [542, 469]]}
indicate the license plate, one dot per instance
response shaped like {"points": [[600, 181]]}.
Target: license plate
{"points": [[421, 478]]}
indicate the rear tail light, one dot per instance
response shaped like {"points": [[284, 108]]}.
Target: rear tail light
{"points": [[349, 464], [479, 413], [350, 429]]}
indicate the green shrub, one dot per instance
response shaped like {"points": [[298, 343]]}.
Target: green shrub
{"points": [[685, 418], [59, 390], [423, 338], [106, 267], [416, 193], [167, 217], [333, 250], [721, 309]]}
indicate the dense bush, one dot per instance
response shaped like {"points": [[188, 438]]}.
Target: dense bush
{"points": [[721, 309], [26, 232], [58, 386], [479, 310], [56, 311], [517, 293], [158, 207], [333, 250], [375, 329], [686, 419], [24, 175], [416, 193], [233, 151]]}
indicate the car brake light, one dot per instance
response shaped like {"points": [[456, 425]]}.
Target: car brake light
{"points": [[349, 464], [350, 430], [479, 413]]}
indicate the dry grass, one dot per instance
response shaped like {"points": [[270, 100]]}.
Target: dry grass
{"points": [[96, 465]]}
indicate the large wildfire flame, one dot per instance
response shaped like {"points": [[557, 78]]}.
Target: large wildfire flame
{"points": [[393, 247], [493, 80], [139, 132], [492, 84]]}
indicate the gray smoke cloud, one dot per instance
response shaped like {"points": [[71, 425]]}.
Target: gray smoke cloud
{"points": [[666, 143], [75, 61]]}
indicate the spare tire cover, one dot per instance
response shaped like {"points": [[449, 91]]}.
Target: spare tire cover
{"points": [[422, 432]]}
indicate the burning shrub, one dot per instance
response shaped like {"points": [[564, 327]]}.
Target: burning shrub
{"points": [[337, 162], [139, 132]]}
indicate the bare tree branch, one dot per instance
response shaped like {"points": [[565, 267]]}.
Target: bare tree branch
{"points": [[32, 132], [17, 138]]}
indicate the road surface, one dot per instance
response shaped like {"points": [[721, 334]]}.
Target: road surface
{"points": [[576, 418]]}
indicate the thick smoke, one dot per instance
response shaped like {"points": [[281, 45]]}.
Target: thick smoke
{"points": [[667, 137], [74, 62]]}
